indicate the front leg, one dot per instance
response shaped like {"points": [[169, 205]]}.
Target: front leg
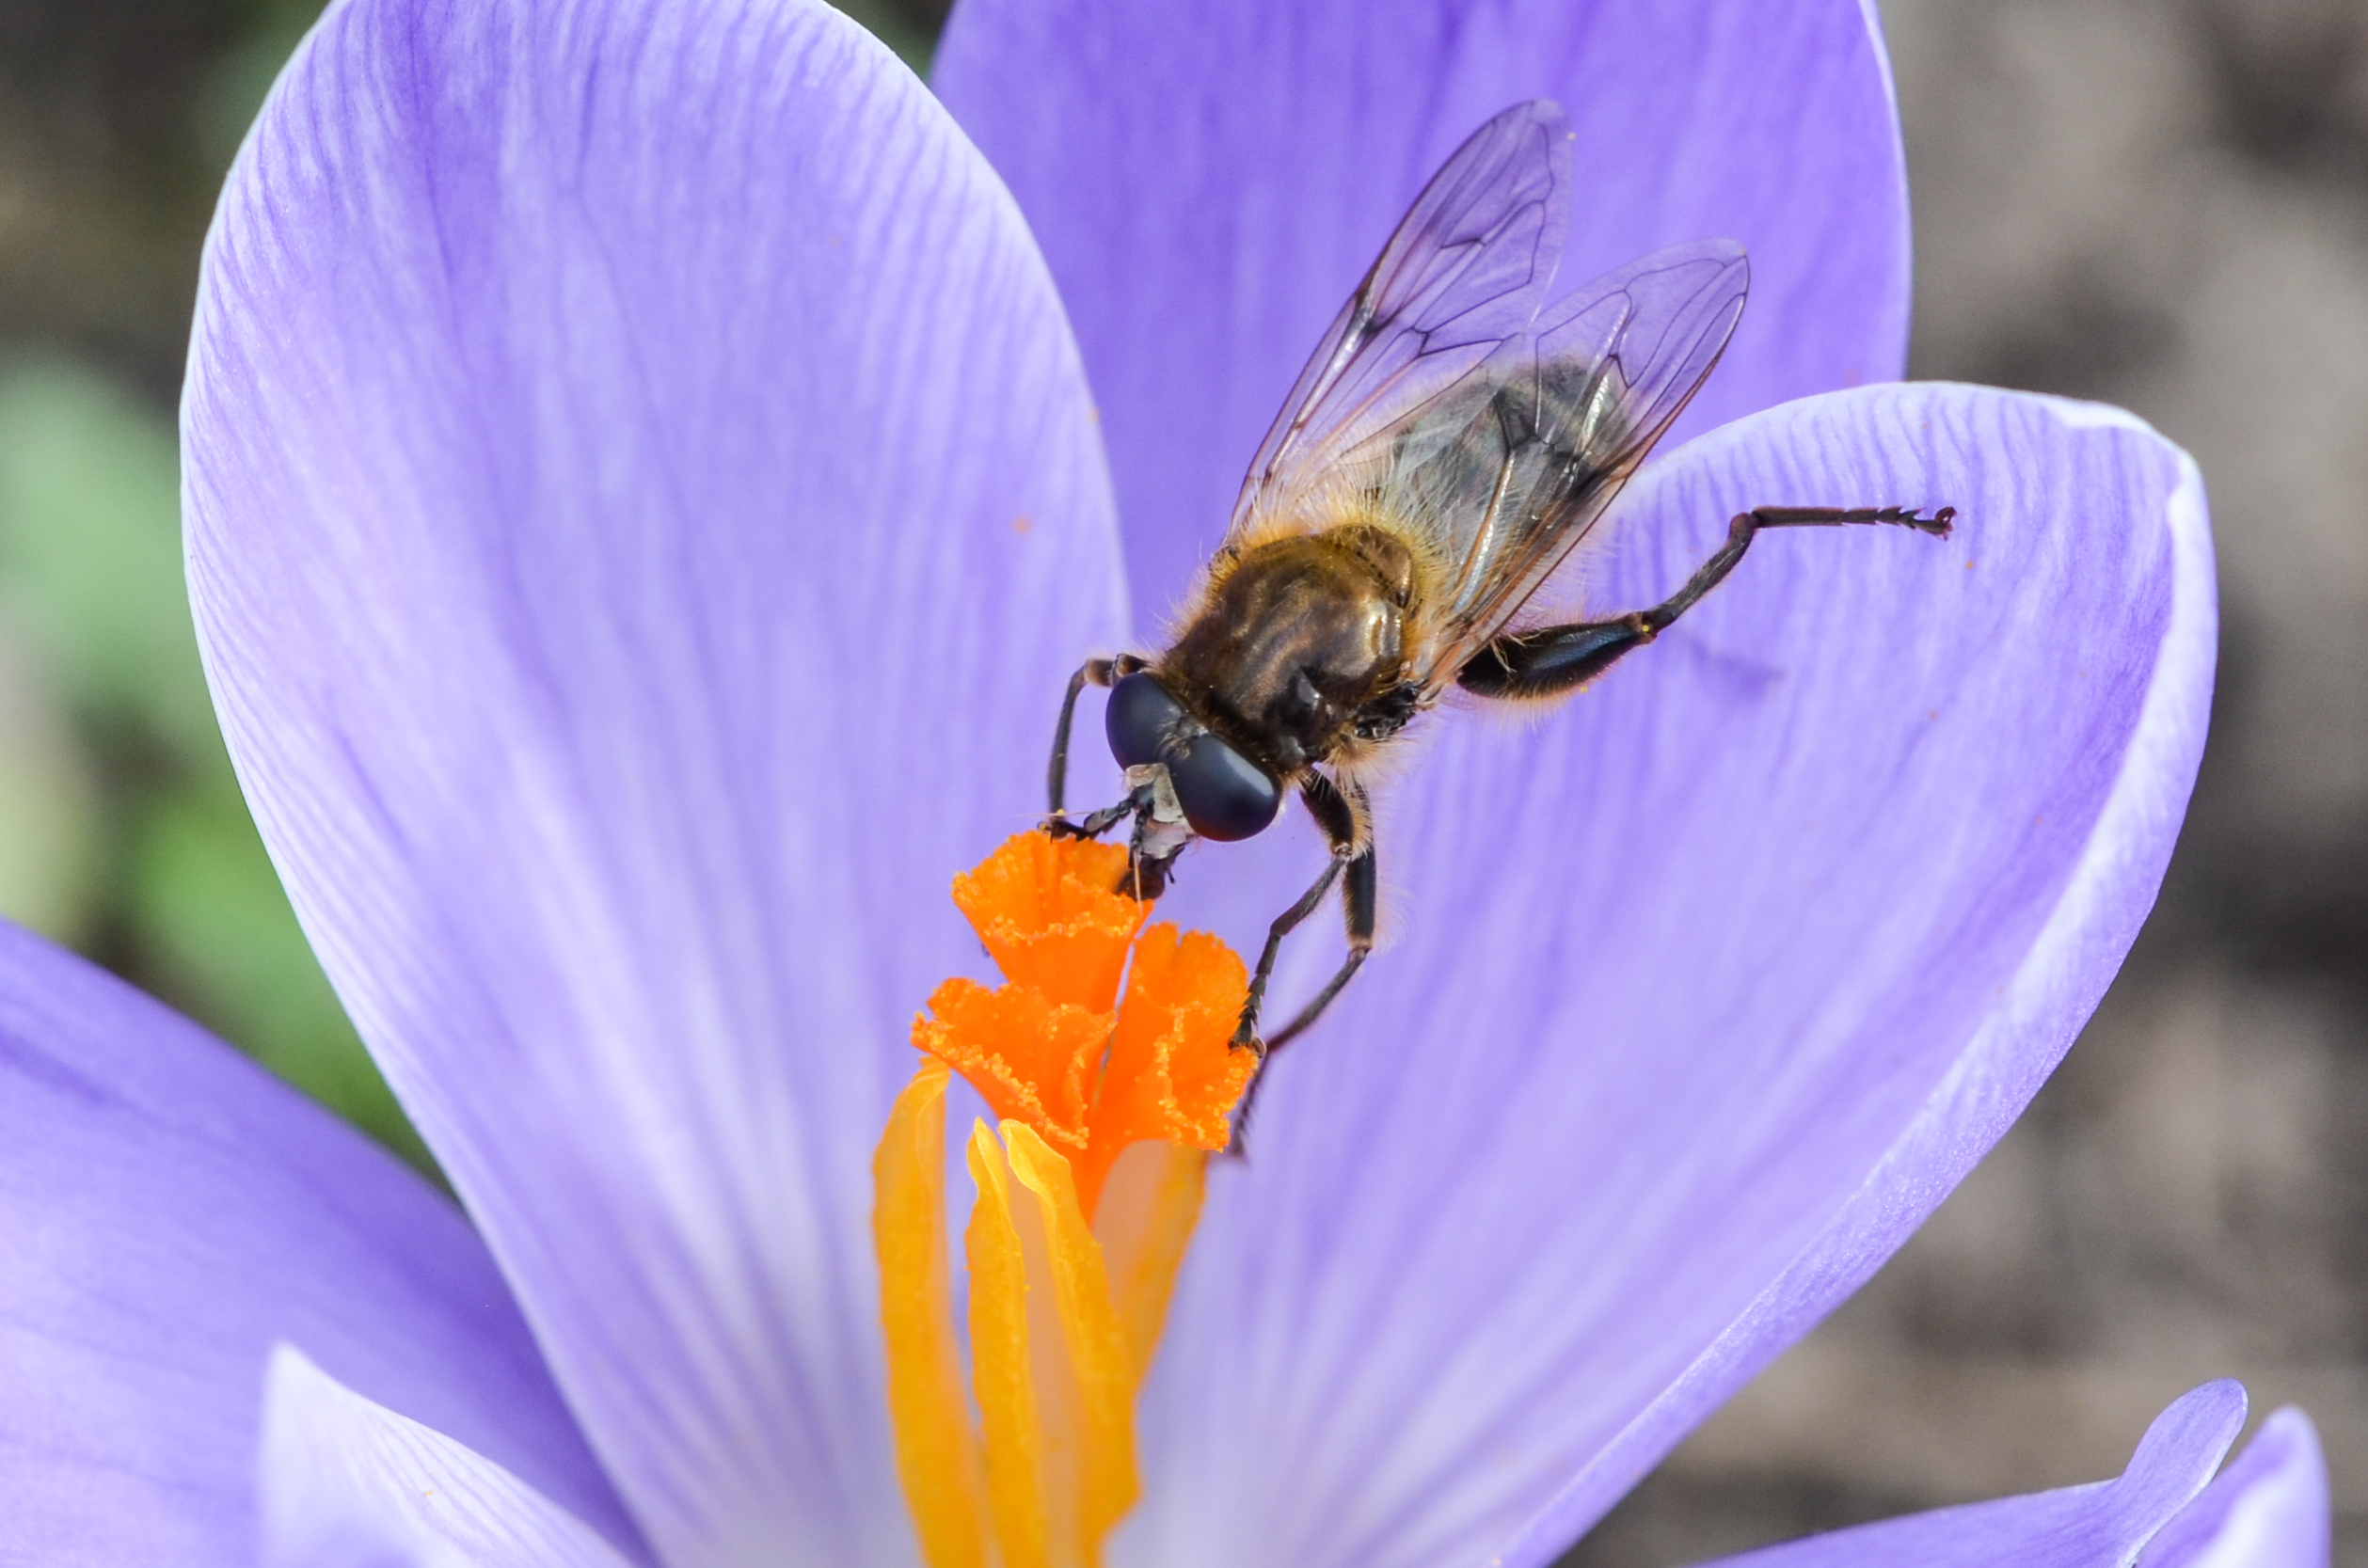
{"points": [[1554, 660], [1093, 672]]}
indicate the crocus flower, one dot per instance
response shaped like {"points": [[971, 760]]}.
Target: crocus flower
{"points": [[643, 500]]}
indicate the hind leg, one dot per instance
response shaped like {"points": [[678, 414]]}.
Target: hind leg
{"points": [[1554, 660]]}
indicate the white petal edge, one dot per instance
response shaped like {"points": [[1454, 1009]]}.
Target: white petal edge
{"points": [[345, 1483]]}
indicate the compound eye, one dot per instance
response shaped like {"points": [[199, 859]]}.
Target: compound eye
{"points": [[1225, 796], [1139, 720]]}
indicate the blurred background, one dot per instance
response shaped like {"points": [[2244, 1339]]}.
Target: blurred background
{"points": [[2162, 203]]}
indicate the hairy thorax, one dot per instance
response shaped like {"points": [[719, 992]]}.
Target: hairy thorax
{"points": [[1298, 648]]}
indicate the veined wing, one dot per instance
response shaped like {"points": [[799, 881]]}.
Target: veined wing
{"points": [[1464, 275], [1508, 470]]}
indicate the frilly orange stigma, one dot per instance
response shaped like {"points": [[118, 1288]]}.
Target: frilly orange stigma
{"points": [[1054, 1048], [1052, 917]]}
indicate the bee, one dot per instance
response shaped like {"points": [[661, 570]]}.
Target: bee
{"points": [[1449, 443]]}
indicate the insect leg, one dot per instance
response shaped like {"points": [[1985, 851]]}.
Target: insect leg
{"points": [[1246, 1032], [1343, 818], [1102, 822], [1360, 906], [1346, 820], [1093, 672], [1553, 659]]}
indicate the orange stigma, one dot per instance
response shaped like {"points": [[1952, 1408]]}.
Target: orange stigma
{"points": [[1108, 1106]]}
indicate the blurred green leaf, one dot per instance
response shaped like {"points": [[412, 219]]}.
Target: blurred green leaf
{"points": [[186, 904], [50, 855], [891, 24], [91, 554], [235, 87]]}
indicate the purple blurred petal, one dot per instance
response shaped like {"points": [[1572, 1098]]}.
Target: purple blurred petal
{"points": [[170, 1213], [348, 1483], [2099, 1525], [1210, 180], [2267, 1509], [1708, 985], [643, 506]]}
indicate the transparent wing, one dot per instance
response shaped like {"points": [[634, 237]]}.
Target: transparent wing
{"points": [[1462, 276], [1507, 472]]}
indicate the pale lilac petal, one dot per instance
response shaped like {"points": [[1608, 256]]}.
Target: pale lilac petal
{"points": [[2267, 1509], [643, 507], [1209, 180], [346, 1482], [1702, 989], [169, 1213], [2099, 1525]]}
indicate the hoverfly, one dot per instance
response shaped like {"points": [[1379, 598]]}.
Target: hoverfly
{"points": [[1451, 442]]}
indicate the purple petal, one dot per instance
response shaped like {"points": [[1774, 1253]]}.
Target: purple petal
{"points": [[2098, 1526], [170, 1211], [2267, 1509], [348, 1483], [1210, 180], [643, 506], [1711, 983]]}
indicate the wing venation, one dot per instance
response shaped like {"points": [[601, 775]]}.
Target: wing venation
{"points": [[1451, 401], [1464, 275], [1507, 473]]}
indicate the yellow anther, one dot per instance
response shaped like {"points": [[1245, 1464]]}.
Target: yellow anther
{"points": [[937, 1450]]}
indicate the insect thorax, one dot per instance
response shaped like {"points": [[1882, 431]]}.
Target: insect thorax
{"points": [[1299, 647]]}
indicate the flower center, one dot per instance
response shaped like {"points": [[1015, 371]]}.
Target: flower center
{"points": [[1088, 1194]]}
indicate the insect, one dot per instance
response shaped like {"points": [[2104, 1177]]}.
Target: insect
{"points": [[1451, 442]]}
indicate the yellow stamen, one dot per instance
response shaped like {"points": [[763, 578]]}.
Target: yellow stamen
{"points": [[999, 1368], [937, 1452], [1102, 1370], [1086, 1203]]}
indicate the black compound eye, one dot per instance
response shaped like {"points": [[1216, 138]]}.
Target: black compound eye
{"points": [[1140, 718], [1225, 796]]}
